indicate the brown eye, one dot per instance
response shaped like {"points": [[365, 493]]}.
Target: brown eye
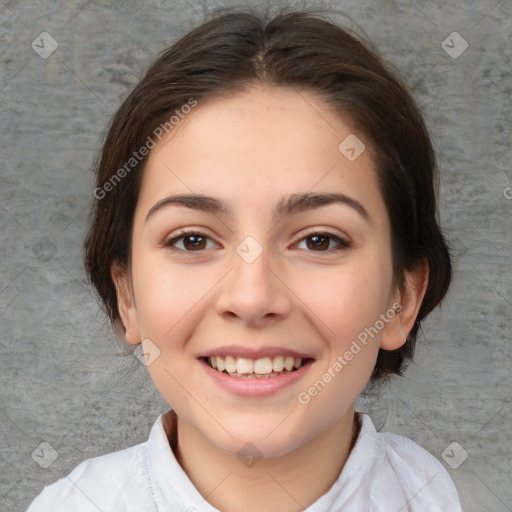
{"points": [[191, 242], [320, 242], [194, 242]]}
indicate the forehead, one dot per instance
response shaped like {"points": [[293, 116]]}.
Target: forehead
{"points": [[265, 141], [278, 117]]}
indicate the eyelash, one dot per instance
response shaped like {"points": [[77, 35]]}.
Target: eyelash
{"points": [[342, 244]]}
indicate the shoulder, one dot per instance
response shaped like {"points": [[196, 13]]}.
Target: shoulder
{"points": [[418, 480], [117, 481]]}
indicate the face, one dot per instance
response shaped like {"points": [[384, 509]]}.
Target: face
{"points": [[251, 279]]}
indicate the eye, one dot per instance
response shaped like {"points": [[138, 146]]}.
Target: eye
{"points": [[192, 241], [320, 242], [195, 241]]}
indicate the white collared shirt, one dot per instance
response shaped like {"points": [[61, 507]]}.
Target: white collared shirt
{"points": [[383, 473]]}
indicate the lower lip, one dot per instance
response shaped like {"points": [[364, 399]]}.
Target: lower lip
{"points": [[253, 386]]}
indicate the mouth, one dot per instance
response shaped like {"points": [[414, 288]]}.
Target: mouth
{"points": [[262, 368]]}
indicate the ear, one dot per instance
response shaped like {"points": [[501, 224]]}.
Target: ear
{"points": [[406, 304], [126, 303]]}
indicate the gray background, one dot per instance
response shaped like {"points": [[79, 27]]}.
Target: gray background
{"points": [[66, 381]]}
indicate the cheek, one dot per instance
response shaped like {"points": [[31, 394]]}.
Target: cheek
{"points": [[166, 295], [348, 300], [170, 301]]}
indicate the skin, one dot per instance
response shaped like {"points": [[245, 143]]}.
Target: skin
{"points": [[250, 150]]}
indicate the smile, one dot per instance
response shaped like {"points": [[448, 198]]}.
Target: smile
{"points": [[262, 368]]}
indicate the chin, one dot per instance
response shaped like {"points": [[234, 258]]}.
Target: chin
{"points": [[261, 438]]}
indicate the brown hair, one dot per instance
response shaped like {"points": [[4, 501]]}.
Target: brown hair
{"points": [[302, 50]]}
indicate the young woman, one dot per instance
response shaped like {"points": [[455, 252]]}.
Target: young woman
{"points": [[265, 228]]}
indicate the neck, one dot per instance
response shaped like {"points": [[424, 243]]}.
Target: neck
{"points": [[273, 484]]}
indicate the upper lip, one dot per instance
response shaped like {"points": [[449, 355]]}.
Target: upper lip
{"points": [[253, 353]]}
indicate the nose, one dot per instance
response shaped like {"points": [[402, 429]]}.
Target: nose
{"points": [[254, 292]]}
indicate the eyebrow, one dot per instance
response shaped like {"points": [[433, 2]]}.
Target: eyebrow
{"points": [[295, 203]]}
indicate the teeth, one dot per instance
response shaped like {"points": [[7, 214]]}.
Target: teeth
{"points": [[278, 363], [265, 366], [262, 366], [244, 365], [229, 363], [255, 375], [288, 363]]}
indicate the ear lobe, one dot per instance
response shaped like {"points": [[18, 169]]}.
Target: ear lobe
{"points": [[126, 304], [409, 298]]}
